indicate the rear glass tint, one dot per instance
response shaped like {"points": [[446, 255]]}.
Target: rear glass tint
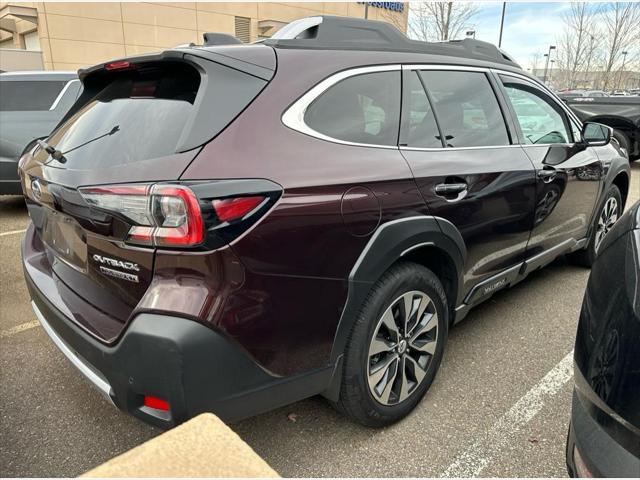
{"points": [[466, 108], [28, 96], [420, 124], [360, 109], [137, 116]]}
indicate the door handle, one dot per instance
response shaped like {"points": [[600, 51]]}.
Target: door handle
{"points": [[444, 189], [547, 175]]}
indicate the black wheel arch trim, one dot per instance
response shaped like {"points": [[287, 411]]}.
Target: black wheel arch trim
{"points": [[389, 243], [608, 182]]}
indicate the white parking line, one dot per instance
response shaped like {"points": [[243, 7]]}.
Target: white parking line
{"points": [[19, 328], [475, 458], [12, 232]]}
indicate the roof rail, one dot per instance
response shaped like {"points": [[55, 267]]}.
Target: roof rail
{"points": [[328, 32]]}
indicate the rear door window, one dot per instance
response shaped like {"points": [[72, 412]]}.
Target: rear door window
{"points": [[29, 96], [360, 109], [466, 108], [419, 124]]}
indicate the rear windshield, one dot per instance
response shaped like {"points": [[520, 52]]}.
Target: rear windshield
{"points": [[138, 116], [29, 96]]}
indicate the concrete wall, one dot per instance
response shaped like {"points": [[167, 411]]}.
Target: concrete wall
{"points": [[75, 35], [12, 60]]}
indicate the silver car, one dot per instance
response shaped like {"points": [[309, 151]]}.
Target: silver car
{"points": [[31, 105]]}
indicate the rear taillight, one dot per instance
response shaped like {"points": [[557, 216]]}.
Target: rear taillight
{"points": [[200, 214], [165, 215], [229, 209], [156, 403]]}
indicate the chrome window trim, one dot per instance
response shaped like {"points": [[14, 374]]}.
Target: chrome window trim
{"points": [[443, 66], [293, 117], [61, 94], [453, 149]]}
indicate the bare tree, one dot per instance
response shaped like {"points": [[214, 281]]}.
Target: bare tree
{"points": [[394, 19], [621, 33], [535, 59], [440, 21], [575, 41]]}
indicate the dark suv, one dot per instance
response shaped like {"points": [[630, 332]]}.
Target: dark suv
{"points": [[232, 228]]}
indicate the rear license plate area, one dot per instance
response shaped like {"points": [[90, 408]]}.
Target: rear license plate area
{"points": [[66, 239]]}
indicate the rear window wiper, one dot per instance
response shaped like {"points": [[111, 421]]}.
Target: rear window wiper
{"points": [[55, 153], [60, 156]]}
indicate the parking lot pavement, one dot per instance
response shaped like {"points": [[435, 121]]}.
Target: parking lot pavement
{"points": [[499, 405]]}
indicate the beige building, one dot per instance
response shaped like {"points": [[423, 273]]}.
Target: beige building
{"points": [[68, 36]]}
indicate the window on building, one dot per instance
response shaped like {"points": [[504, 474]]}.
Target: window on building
{"points": [[360, 109], [420, 125], [467, 108], [24, 96], [243, 29], [32, 41], [540, 119]]}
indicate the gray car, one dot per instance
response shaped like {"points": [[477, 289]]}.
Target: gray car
{"points": [[31, 105]]}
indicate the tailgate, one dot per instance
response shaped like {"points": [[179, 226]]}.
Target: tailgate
{"points": [[136, 127]]}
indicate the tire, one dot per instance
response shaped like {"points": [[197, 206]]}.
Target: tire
{"points": [[587, 256], [384, 402]]}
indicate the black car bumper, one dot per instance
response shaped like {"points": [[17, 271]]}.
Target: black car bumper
{"points": [[190, 366], [591, 451]]}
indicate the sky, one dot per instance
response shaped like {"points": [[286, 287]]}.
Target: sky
{"points": [[529, 27]]}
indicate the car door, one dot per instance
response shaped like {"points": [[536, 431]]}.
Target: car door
{"points": [[456, 140], [568, 173]]}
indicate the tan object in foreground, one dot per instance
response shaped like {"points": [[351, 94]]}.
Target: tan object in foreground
{"points": [[202, 447]]}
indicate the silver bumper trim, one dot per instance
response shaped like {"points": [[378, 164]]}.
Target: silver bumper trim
{"points": [[100, 383]]}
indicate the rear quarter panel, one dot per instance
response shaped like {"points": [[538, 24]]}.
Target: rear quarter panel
{"points": [[299, 256]]}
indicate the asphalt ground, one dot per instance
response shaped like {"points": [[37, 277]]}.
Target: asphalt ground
{"points": [[498, 407]]}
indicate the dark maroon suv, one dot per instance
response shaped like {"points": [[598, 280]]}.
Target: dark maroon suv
{"points": [[232, 228]]}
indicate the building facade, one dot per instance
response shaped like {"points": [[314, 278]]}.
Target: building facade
{"points": [[68, 36]]}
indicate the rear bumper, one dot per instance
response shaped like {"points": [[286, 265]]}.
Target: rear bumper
{"points": [[598, 451], [194, 368]]}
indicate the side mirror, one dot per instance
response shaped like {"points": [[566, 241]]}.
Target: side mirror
{"points": [[596, 134]]}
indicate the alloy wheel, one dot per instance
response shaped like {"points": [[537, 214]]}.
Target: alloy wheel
{"points": [[608, 217], [403, 344]]}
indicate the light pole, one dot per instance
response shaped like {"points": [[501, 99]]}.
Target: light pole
{"points": [[546, 64], [471, 33], [366, 10], [624, 58], [504, 8], [551, 71]]}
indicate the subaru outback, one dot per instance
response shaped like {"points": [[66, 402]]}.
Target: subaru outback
{"points": [[232, 228]]}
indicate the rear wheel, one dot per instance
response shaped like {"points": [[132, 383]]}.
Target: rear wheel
{"points": [[607, 216], [395, 347]]}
